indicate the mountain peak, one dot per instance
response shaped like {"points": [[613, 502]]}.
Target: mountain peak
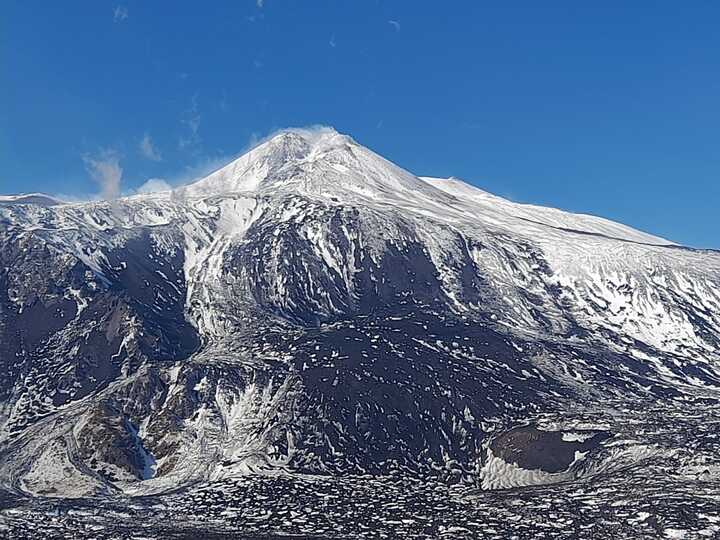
{"points": [[314, 161], [312, 136], [299, 143]]}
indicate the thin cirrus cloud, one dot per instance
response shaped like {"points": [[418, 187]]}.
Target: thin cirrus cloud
{"points": [[120, 13], [148, 148], [191, 119], [154, 185], [105, 170], [395, 25]]}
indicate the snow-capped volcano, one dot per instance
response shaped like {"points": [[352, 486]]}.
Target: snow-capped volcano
{"points": [[324, 163], [312, 307], [310, 162]]}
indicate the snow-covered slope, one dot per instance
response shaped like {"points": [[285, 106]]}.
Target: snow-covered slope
{"points": [[29, 198], [514, 214], [313, 307]]}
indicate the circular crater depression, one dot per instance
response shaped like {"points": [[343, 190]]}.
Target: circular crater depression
{"points": [[526, 456]]}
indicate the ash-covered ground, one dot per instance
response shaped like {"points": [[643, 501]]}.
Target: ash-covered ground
{"points": [[660, 479]]}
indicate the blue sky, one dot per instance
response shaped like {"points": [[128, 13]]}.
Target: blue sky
{"points": [[609, 108]]}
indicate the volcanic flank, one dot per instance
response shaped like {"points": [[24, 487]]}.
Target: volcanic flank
{"points": [[313, 309]]}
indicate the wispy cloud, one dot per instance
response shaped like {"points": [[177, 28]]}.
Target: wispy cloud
{"points": [[395, 25], [223, 103], [191, 119], [148, 148], [105, 169], [260, 3], [120, 13], [332, 41], [192, 173], [154, 185]]}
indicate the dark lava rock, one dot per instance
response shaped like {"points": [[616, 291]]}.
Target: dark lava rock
{"points": [[532, 448]]}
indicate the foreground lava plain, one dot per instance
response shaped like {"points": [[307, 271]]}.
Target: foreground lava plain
{"points": [[673, 493]]}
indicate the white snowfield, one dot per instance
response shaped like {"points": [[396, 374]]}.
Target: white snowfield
{"points": [[513, 214], [29, 198]]}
